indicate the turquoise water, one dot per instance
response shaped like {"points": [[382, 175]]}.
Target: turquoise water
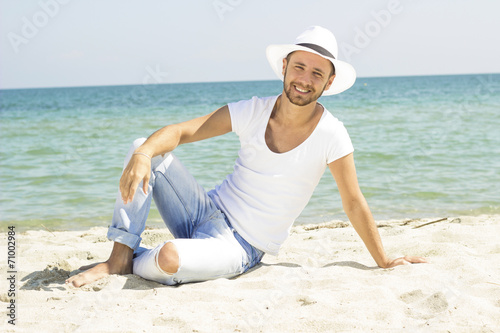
{"points": [[425, 146]]}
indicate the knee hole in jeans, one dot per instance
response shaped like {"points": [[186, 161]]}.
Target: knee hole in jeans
{"points": [[168, 258]]}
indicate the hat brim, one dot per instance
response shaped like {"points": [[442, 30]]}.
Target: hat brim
{"points": [[345, 75]]}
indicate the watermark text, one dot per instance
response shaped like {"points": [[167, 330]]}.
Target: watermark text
{"points": [[11, 275]]}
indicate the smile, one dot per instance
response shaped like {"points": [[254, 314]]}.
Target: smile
{"points": [[301, 90]]}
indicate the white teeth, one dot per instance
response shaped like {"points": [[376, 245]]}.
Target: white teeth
{"points": [[301, 90]]}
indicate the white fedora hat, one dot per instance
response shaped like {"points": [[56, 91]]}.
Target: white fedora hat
{"points": [[319, 41]]}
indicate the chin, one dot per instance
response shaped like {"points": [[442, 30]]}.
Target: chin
{"points": [[299, 101]]}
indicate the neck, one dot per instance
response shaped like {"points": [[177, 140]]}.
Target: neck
{"points": [[288, 113]]}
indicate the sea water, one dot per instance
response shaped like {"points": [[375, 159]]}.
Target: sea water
{"points": [[425, 146]]}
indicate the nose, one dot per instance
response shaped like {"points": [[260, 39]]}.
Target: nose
{"points": [[305, 79]]}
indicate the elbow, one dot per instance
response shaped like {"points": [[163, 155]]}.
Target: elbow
{"points": [[177, 135]]}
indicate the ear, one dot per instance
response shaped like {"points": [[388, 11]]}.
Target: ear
{"points": [[330, 81], [284, 66]]}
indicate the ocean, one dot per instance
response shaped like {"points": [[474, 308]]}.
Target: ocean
{"points": [[425, 147]]}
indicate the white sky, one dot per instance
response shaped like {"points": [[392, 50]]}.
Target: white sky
{"points": [[55, 43]]}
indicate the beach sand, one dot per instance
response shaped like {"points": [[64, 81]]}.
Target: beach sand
{"points": [[323, 280]]}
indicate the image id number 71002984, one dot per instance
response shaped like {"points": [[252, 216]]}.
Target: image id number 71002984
{"points": [[11, 274]]}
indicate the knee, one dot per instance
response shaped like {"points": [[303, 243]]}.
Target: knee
{"points": [[138, 142], [168, 258]]}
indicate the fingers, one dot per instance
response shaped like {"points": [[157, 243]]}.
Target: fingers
{"points": [[406, 260], [136, 171], [126, 187], [145, 184], [416, 260], [131, 191], [397, 262]]}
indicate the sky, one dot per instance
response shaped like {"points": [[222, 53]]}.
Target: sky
{"points": [[64, 43]]}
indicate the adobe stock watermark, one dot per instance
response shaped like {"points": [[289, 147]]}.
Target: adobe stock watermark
{"points": [[39, 20], [156, 75], [371, 30], [222, 7]]}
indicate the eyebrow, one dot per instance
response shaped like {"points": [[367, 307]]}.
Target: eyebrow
{"points": [[314, 68]]}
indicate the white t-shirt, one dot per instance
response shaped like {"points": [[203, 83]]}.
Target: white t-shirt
{"points": [[267, 191]]}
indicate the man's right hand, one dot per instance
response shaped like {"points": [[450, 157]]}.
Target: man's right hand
{"points": [[166, 140], [137, 170]]}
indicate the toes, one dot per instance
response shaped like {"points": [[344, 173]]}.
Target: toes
{"points": [[74, 281], [78, 280]]}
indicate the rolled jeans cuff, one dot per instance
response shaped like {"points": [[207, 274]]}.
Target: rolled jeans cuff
{"points": [[124, 237]]}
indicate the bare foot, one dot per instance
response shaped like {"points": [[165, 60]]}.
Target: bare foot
{"points": [[119, 262], [86, 267]]}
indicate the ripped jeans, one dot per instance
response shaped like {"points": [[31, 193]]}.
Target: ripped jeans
{"points": [[208, 246]]}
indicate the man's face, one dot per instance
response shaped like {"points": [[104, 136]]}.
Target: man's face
{"points": [[306, 76]]}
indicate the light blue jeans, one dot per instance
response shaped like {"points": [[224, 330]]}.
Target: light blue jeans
{"points": [[208, 246]]}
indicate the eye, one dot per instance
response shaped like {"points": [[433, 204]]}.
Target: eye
{"points": [[298, 67], [318, 74]]}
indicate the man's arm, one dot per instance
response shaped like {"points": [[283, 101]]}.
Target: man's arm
{"points": [[167, 139], [358, 212]]}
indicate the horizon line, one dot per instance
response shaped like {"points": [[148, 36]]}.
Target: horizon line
{"points": [[233, 81]]}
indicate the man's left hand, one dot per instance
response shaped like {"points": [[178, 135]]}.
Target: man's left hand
{"points": [[406, 260]]}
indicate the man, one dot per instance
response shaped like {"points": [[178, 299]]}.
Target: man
{"points": [[286, 143]]}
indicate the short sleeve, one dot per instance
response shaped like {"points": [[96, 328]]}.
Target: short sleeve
{"points": [[241, 114], [341, 144]]}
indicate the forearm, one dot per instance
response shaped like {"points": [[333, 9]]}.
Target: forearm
{"points": [[169, 137], [362, 220], [359, 214], [162, 141]]}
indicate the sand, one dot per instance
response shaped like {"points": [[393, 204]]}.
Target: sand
{"points": [[323, 280]]}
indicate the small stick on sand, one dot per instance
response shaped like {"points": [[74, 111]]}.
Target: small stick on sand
{"points": [[436, 221], [498, 284], [47, 229]]}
